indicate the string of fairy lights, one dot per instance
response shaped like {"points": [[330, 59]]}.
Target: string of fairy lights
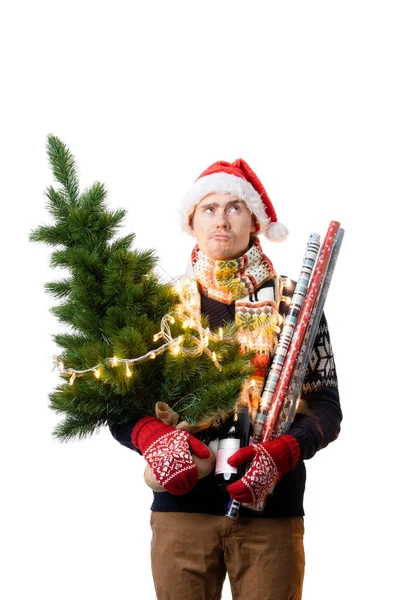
{"points": [[187, 312]]}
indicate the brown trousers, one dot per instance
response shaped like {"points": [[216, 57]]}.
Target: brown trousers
{"points": [[191, 553]]}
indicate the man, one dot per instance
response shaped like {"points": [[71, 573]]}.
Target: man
{"points": [[194, 544]]}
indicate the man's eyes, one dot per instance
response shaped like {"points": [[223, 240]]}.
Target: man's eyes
{"points": [[233, 208]]}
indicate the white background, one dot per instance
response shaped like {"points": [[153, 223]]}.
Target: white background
{"points": [[146, 96]]}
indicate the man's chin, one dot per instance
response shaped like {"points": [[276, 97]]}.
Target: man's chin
{"points": [[223, 251]]}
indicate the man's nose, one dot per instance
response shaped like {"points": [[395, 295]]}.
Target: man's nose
{"points": [[222, 219]]}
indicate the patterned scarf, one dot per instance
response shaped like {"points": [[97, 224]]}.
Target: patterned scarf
{"points": [[256, 310], [230, 280]]}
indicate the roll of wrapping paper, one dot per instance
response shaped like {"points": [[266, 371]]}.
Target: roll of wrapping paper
{"points": [[300, 331], [310, 256], [304, 357]]}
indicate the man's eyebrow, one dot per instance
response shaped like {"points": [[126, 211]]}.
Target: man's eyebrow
{"points": [[209, 205], [215, 204]]}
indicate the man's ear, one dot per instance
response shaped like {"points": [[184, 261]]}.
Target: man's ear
{"points": [[255, 225], [190, 219]]}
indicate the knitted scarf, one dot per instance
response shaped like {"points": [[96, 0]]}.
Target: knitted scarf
{"points": [[229, 280], [256, 310]]}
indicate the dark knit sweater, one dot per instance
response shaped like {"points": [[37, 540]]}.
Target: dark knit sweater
{"points": [[316, 424]]}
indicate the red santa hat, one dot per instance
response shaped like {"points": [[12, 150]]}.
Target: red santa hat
{"points": [[239, 179]]}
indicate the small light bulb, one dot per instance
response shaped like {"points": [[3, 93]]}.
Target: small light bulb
{"points": [[61, 365], [128, 371], [114, 361], [152, 355], [96, 373], [221, 335], [71, 381]]}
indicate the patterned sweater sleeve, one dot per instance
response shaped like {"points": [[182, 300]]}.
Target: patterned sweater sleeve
{"points": [[318, 417]]}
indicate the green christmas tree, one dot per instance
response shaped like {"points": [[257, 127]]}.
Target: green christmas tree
{"points": [[113, 302]]}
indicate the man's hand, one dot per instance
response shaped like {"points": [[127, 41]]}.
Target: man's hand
{"points": [[270, 461], [168, 452]]}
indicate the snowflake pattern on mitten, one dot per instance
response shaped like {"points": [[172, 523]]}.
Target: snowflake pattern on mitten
{"points": [[169, 456], [259, 480]]}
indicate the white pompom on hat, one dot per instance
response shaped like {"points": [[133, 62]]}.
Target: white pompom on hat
{"points": [[239, 179]]}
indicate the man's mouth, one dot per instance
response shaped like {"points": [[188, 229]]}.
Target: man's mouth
{"points": [[221, 236]]}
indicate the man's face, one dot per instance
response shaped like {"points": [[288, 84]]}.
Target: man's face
{"points": [[222, 225]]}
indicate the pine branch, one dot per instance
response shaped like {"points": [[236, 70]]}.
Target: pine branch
{"points": [[59, 258], [57, 204], [71, 341], [64, 168], [122, 244], [76, 427], [59, 289], [52, 235]]}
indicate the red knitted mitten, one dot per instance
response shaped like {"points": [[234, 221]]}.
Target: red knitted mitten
{"points": [[168, 452], [270, 461]]}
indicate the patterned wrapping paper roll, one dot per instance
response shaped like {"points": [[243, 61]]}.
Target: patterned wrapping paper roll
{"points": [[289, 409], [310, 256], [300, 331]]}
